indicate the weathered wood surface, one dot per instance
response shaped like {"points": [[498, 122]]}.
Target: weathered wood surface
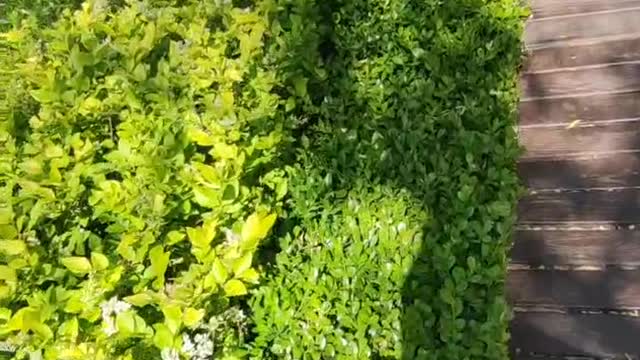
{"points": [[586, 335], [585, 108], [560, 141], [585, 25], [590, 53], [547, 8], [577, 248], [570, 81], [610, 288], [596, 171], [619, 206]]}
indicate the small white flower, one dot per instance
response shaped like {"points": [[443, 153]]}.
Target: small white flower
{"points": [[187, 345], [231, 237], [401, 227], [170, 354], [109, 308]]}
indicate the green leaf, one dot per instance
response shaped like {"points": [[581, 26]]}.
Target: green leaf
{"points": [[206, 197], [12, 247], [172, 317], [255, 229], [163, 338], [77, 265], [234, 288], [125, 323], [159, 263], [99, 261]]}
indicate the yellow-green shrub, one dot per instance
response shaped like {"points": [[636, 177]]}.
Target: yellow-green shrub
{"points": [[136, 178]]}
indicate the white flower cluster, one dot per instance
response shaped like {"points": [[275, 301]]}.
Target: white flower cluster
{"points": [[110, 309], [169, 354], [201, 348]]}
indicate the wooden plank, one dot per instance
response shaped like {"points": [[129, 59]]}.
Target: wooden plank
{"points": [[591, 335], [602, 52], [610, 289], [560, 140], [603, 170], [546, 8], [569, 81], [582, 26], [576, 247], [618, 206], [585, 108]]}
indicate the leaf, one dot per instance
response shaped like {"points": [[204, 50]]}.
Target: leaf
{"points": [[172, 317], [163, 338], [125, 323], [192, 317], [77, 265], [12, 247], [8, 274], [219, 272], [174, 237], [250, 275], [140, 300], [159, 261], [255, 229], [243, 263], [206, 197], [200, 137], [234, 288], [99, 261]]}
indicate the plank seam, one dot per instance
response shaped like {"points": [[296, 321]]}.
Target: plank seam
{"points": [[581, 67], [583, 14], [579, 95], [533, 47], [581, 124]]}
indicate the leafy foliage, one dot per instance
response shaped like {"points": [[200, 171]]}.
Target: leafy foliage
{"points": [[148, 148], [134, 186], [418, 119]]}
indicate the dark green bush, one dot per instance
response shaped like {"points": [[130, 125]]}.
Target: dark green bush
{"points": [[421, 103]]}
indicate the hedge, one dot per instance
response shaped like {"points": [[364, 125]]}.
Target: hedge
{"points": [[276, 179], [405, 203]]}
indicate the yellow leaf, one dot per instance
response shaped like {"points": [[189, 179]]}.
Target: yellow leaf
{"points": [[12, 247], [192, 317], [250, 275], [234, 288], [256, 228], [200, 137], [99, 261], [77, 264], [141, 299], [8, 274]]}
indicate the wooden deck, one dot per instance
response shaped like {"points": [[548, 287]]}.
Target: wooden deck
{"points": [[574, 279]]}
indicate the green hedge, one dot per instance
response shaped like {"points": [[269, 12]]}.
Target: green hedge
{"points": [[157, 158], [417, 120]]}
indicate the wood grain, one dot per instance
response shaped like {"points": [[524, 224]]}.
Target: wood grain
{"points": [[610, 78], [546, 8], [575, 247], [591, 335], [611, 288], [603, 52], [624, 21], [617, 206], [603, 170], [559, 141], [586, 108]]}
